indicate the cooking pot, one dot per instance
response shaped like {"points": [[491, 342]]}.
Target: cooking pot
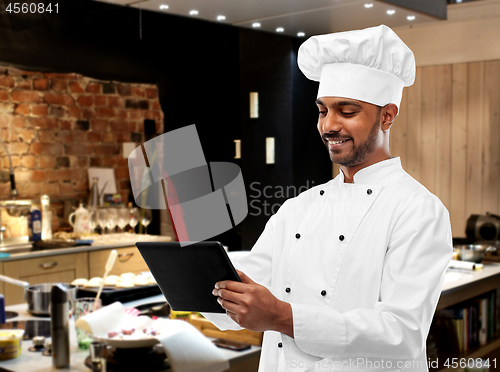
{"points": [[38, 295], [474, 252]]}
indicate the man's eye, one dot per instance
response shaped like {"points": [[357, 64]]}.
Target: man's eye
{"points": [[322, 112], [348, 113]]}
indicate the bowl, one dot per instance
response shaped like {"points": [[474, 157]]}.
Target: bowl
{"points": [[18, 208], [473, 252], [11, 343]]}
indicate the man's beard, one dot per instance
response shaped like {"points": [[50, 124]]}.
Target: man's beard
{"points": [[359, 153]]}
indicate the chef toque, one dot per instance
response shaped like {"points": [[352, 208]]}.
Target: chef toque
{"points": [[371, 65]]}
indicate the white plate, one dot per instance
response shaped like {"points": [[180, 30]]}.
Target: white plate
{"points": [[129, 342]]}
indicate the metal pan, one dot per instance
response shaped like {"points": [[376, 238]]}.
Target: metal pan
{"points": [[38, 295], [54, 243], [492, 244], [474, 252]]}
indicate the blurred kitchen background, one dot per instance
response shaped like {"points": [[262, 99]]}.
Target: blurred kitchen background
{"points": [[81, 88], [77, 85]]}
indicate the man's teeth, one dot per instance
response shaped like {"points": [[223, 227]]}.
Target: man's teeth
{"points": [[336, 142]]}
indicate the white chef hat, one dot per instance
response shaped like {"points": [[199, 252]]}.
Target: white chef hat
{"points": [[371, 65]]}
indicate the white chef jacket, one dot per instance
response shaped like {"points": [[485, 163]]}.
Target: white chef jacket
{"points": [[362, 265]]}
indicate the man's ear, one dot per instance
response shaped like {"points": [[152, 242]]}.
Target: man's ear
{"points": [[389, 113]]}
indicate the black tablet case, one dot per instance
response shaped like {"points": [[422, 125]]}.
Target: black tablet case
{"points": [[187, 275]]}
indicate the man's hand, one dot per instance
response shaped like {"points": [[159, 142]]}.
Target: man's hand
{"points": [[252, 306]]}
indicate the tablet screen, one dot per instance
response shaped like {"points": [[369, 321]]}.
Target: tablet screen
{"points": [[187, 275]]}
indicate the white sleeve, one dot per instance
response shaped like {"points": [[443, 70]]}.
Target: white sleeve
{"points": [[257, 265], [419, 249]]}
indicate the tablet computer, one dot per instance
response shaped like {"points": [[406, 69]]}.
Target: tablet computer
{"points": [[187, 275]]}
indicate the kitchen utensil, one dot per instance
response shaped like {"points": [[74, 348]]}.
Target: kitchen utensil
{"points": [[473, 252], [491, 243], [158, 309], [111, 219], [38, 295], [84, 306], [110, 295], [133, 218], [54, 243], [109, 265], [48, 349], [32, 328], [60, 243], [38, 344], [128, 322], [93, 220], [123, 215], [102, 218], [95, 195], [82, 220], [46, 218], [98, 356], [17, 208], [483, 227], [146, 217], [59, 330]]}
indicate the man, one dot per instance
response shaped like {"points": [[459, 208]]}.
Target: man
{"points": [[347, 275]]}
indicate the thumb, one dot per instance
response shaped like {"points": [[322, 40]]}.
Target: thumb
{"points": [[244, 278]]}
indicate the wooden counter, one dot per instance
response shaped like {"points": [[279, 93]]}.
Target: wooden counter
{"points": [[67, 264]]}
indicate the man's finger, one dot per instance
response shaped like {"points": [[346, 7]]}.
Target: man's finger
{"points": [[244, 277], [231, 285], [227, 305], [230, 295]]}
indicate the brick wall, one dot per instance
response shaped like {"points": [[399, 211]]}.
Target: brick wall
{"points": [[58, 125]]}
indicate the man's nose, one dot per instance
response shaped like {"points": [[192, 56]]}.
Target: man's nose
{"points": [[331, 123]]}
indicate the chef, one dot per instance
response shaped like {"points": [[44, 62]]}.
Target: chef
{"points": [[347, 275]]}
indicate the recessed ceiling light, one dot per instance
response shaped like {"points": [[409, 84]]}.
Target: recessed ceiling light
{"points": [[163, 6], [369, 5], [391, 11], [221, 18], [280, 29], [301, 34], [193, 12], [410, 18], [256, 24]]}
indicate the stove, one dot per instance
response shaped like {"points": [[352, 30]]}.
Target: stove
{"points": [[31, 328], [146, 359]]}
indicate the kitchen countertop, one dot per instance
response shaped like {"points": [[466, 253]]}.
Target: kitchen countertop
{"points": [[460, 285], [460, 278], [35, 362], [107, 241]]}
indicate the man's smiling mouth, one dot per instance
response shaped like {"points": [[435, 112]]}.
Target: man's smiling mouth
{"points": [[331, 142]]}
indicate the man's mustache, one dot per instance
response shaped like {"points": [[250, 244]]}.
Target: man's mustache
{"points": [[333, 137]]}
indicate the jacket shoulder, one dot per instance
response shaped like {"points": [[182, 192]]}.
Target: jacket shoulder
{"points": [[410, 191]]}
